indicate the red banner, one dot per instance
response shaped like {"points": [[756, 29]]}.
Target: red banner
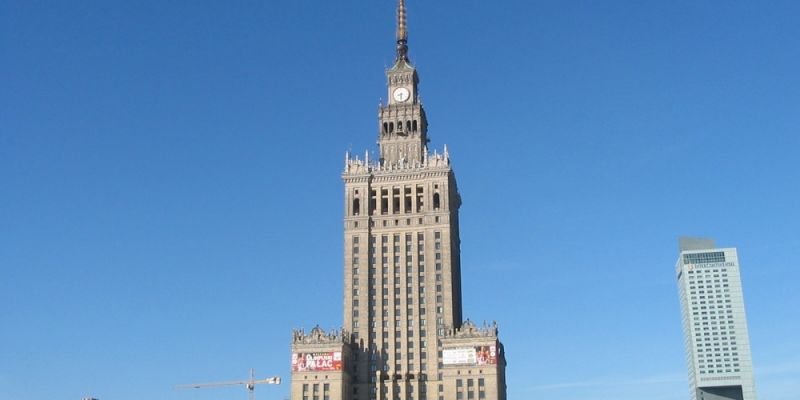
{"points": [[486, 355], [330, 361]]}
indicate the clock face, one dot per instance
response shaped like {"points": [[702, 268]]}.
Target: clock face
{"points": [[401, 94]]}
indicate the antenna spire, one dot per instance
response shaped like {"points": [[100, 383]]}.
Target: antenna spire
{"points": [[402, 31]]}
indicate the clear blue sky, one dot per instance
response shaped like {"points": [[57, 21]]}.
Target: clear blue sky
{"points": [[171, 207]]}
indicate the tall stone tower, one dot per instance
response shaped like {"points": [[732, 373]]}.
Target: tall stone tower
{"points": [[404, 336]]}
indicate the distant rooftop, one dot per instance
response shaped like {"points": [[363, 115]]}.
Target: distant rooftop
{"points": [[692, 243]]}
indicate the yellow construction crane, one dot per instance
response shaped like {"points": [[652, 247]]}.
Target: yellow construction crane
{"points": [[250, 384]]}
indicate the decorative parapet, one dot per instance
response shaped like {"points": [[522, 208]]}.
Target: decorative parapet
{"points": [[319, 336], [434, 160], [470, 330]]}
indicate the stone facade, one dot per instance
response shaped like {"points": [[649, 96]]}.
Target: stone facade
{"points": [[316, 374], [402, 274], [482, 378]]}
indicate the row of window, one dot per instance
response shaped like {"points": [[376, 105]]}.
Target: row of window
{"points": [[721, 322], [699, 284], [710, 360], [314, 393], [706, 273], [411, 200], [716, 346], [471, 391], [396, 238], [712, 301], [385, 279], [709, 287], [700, 274], [385, 270], [710, 296], [704, 258], [719, 371], [315, 387], [411, 126], [711, 312], [711, 307]]}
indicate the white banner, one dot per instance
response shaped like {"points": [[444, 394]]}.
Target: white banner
{"points": [[464, 355]]}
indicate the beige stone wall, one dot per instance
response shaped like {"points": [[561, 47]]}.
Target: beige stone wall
{"points": [[483, 379], [439, 306], [322, 385]]}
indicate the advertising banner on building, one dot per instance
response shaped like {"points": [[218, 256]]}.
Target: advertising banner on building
{"points": [[461, 356], [486, 355], [479, 355], [328, 361]]}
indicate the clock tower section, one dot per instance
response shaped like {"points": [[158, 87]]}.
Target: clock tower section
{"points": [[403, 127]]}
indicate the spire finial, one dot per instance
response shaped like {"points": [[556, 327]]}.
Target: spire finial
{"points": [[402, 34], [402, 31]]}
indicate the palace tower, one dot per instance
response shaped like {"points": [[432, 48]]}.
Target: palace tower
{"points": [[404, 336]]}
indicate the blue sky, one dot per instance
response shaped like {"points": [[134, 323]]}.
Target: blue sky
{"points": [[170, 175]]}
